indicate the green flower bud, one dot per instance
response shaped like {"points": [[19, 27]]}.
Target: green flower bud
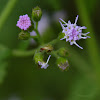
{"points": [[63, 63], [24, 35], [62, 52], [38, 57], [36, 14], [47, 48]]}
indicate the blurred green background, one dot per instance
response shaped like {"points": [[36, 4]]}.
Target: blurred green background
{"points": [[20, 79]]}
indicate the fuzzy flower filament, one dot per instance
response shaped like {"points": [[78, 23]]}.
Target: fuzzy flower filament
{"points": [[43, 64], [73, 32], [24, 22]]}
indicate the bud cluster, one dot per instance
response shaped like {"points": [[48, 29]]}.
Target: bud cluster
{"points": [[71, 32], [26, 24], [60, 55]]}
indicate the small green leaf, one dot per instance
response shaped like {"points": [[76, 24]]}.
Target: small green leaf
{"points": [[4, 54], [61, 35]]}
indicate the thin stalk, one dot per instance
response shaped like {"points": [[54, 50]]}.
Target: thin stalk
{"points": [[20, 53], [33, 37], [38, 34], [54, 53], [36, 25], [54, 41]]}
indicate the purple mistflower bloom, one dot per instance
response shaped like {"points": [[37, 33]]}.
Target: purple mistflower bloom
{"points": [[24, 22], [73, 32]]}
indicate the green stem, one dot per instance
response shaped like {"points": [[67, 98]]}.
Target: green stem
{"points": [[19, 53], [33, 37], [54, 53], [38, 34], [54, 41], [36, 25], [6, 12]]}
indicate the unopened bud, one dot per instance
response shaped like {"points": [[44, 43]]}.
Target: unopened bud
{"points": [[47, 48], [63, 63], [36, 14], [24, 35]]}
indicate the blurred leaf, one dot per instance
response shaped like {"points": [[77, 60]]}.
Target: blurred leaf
{"points": [[23, 45], [4, 54], [83, 89], [91, 5], [6, 12], [92, 44], [3, 66], [51, 5], [55, 4]]}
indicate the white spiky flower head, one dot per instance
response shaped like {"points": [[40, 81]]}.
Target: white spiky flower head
{"points": [[73, 32]]}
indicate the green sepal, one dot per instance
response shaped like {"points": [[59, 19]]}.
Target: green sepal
{"points": [[38, 57], [61, 35], [24, 35]]}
